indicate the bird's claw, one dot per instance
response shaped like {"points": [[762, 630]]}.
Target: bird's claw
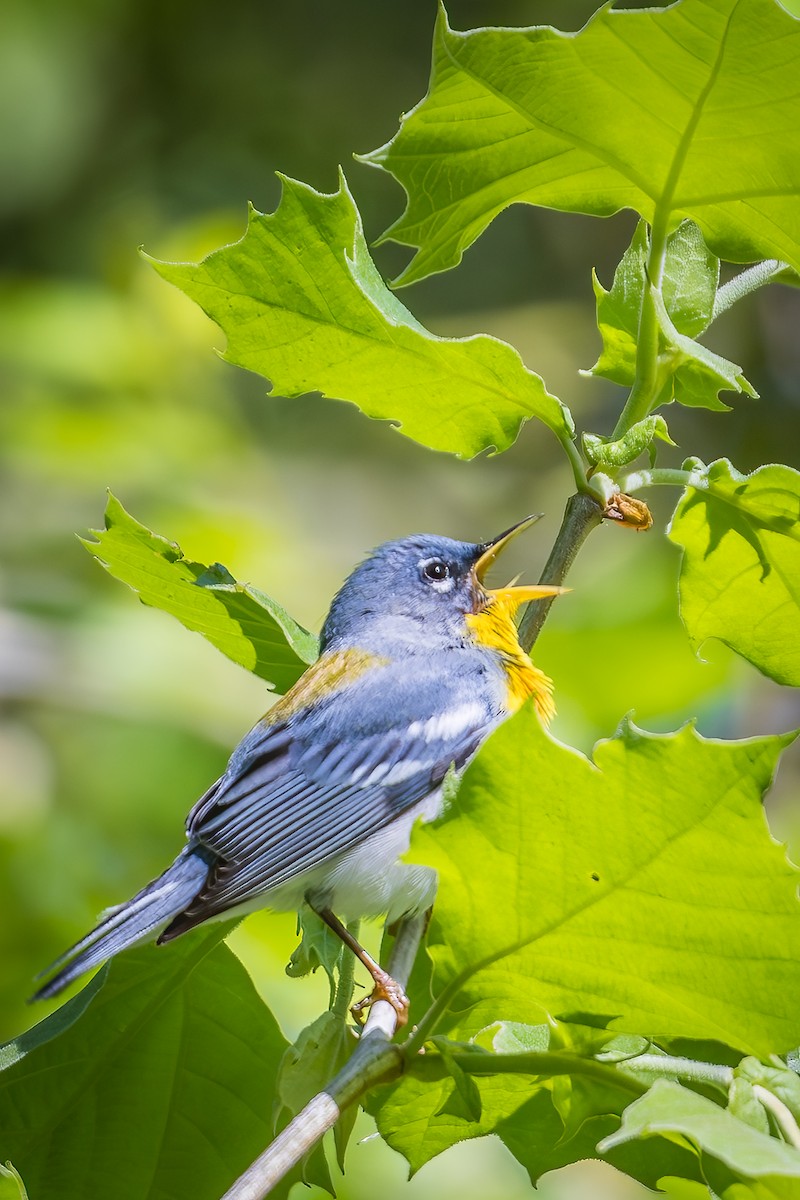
{"points": [[387, 989]]}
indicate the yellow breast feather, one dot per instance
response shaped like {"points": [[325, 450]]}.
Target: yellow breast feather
{"points": [[494, 627], [329, 673]]}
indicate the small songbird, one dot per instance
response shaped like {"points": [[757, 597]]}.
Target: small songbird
{"points": [[419, 662]]}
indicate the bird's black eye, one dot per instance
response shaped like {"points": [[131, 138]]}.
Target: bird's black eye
{"points": [[436, 570]]}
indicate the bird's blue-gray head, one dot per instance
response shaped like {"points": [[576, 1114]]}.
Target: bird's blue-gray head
{"points": [[417, 588], [419, 591]]}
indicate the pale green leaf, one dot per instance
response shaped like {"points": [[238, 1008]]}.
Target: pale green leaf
{"points": [[302, 303], [740, 573], [237, 618], [686, 111], [692, 374], [684, 1189], [781, 1081], [745, 1105], [644, 885], [162, 1087], [668, 1108], [513, 1037]]}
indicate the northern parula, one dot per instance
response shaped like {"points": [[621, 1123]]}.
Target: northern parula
{"points": [[419, 662]]}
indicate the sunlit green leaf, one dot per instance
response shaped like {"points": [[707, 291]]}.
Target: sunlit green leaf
{"points": [[237, 618], [740, 574], [161, 1087], [302, 303], [669, 1108], [644, 885], [686, 111]]}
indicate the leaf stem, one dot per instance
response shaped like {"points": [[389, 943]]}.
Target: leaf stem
{"points": [[432, 1066], [663, 476], [685, 1068], [576, 461], [425, 1027], [783, 1117], [347, 967], [743, 284]]}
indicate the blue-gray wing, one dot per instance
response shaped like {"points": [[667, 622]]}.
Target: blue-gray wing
{"points": [[300, 793]]}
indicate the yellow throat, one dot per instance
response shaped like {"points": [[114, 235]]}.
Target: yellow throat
{"points": [[494, 627]]}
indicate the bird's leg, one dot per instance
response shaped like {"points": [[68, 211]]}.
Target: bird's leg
{"points": [[385, 988]]}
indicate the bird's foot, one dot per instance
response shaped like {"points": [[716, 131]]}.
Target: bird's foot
{"points": [[387, 989]]}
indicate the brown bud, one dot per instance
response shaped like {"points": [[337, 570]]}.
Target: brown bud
{"points": [[629, 512]]}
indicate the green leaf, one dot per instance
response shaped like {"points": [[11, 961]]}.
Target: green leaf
{"points": [[646, 110], [302, 303], [465, 1098], [740, 572], [540, 1149], [418, 1118], [691, 373], [644, 884], [545, 1122], [602, 451], [237, 618], [668, 1108], [696, 374], [163, 1086], [690, 281], [782, 1082], [11, 1185], [745, 1105], [513, 1037], [319, 947]]}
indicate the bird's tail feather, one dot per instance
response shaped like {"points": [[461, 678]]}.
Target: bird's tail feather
{"points": [[131, 922]]}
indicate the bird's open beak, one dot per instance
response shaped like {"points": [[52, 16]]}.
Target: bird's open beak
{"points": [[511, 597]]}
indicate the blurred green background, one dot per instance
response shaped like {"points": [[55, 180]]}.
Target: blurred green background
{"points": [[136, 123]]}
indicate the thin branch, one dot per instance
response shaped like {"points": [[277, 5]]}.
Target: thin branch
{"points": [[582, 514], [783, 1117], [374, 1060]]}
